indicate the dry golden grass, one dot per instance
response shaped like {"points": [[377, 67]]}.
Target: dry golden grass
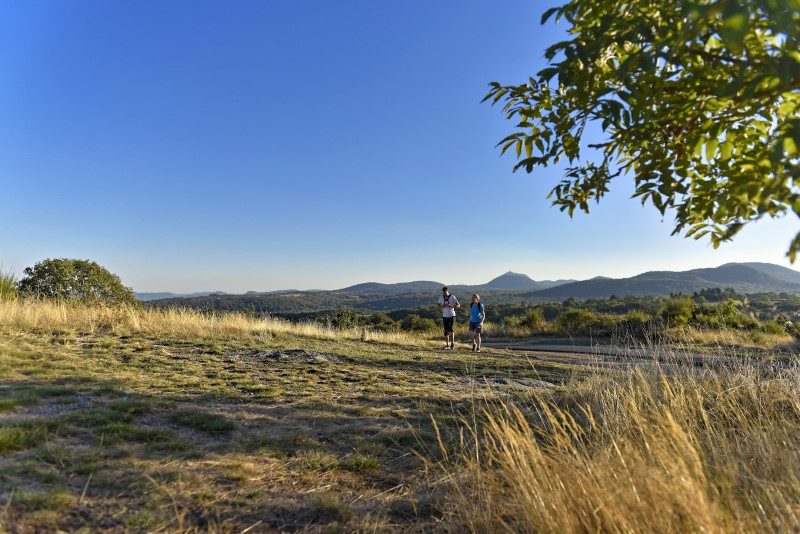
{"points": [[726, 338], [174, 323], [660, 452], [181, 421]]}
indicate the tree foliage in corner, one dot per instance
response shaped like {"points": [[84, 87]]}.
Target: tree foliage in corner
{"points": [[68, 279], [697, 100]]}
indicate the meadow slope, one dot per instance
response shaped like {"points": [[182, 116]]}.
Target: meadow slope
{"points": [[140, 420]]}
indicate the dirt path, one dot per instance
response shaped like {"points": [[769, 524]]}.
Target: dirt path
{"points": [[611, 356]]}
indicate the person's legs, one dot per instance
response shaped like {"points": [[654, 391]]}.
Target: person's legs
{"points": [[478, 330], [448, 331], [452, 333]]}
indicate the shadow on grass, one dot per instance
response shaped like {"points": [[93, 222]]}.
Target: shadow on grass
{"points": [[88, 453]]}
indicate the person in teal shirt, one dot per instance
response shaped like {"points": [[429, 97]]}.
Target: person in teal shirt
{"points": [[477, 314]]}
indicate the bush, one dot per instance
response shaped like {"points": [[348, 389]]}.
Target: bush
{"points": [[68, 279], [415, 323], [344, 318], [678, 310], [725, 315], [579, 321], [381, 322], [534, 319]]}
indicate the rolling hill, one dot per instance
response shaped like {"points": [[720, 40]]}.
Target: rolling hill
{"points": [[402, 287], [510, 287], [145, 296], [742, 277]]}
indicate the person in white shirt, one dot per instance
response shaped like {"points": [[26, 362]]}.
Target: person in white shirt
{"points": [[448, 304]]}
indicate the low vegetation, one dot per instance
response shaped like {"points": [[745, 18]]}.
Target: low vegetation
{"points": [[712, 318], [677, 452], [8, 285], [128, 418]]}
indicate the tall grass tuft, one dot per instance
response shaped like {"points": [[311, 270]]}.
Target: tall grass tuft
{"points": [[640, 451], [8, 285]]}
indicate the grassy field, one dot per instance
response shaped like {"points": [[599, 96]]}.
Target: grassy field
{"points": [[148, 420]]}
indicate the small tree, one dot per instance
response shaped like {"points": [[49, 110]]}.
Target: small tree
{"points": [[69, 279], [534, 319]]}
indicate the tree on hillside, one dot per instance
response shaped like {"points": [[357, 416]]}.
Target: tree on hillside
{"points": [[69, 279], [697, 100]]}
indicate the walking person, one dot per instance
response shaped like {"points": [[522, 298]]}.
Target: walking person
{"points": [[448, 304], [477, 314]]}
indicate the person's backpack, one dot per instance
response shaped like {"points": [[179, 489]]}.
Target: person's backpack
{"points": [[480, 307]]}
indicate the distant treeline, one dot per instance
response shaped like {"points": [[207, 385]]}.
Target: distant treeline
{"points": [[315, 302]]}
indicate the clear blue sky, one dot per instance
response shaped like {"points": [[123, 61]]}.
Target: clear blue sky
{"points": [[297, 144]]}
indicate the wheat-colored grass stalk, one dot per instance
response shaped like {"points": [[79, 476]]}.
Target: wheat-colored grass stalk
{"points": [[658, 452]]}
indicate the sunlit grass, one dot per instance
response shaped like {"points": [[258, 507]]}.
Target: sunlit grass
{"points": [[161, 413], [662, 451], [8, 285], [175, 323]]}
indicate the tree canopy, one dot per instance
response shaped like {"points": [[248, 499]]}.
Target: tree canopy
{"points": [[69, 279], [698, 101]]}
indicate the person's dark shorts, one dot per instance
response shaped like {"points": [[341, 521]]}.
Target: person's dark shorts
{"points": [[475, 327], [448, 324]]}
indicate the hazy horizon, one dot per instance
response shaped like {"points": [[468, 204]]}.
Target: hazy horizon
{"points": [[243, 289], [270, 146]]}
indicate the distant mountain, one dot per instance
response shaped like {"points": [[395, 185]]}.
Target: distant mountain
{"points": [[778, 271], [402, 287], [752, 277], [742, 277], [166, 295], [153, 296], [505, 282], [511, 281]]}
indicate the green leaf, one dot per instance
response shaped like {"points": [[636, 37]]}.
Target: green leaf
{"points": [[734, 28], [789, 147], [711, 148], [547, 14], [725, 151]]}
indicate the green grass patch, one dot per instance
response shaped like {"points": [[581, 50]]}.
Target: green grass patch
{"points": [[36, 469], [23, 436], [95, 418], [53, 500], [29, 396], [203, 421], [317, 461], [359, 463], [142, 520], [130, 407]]}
